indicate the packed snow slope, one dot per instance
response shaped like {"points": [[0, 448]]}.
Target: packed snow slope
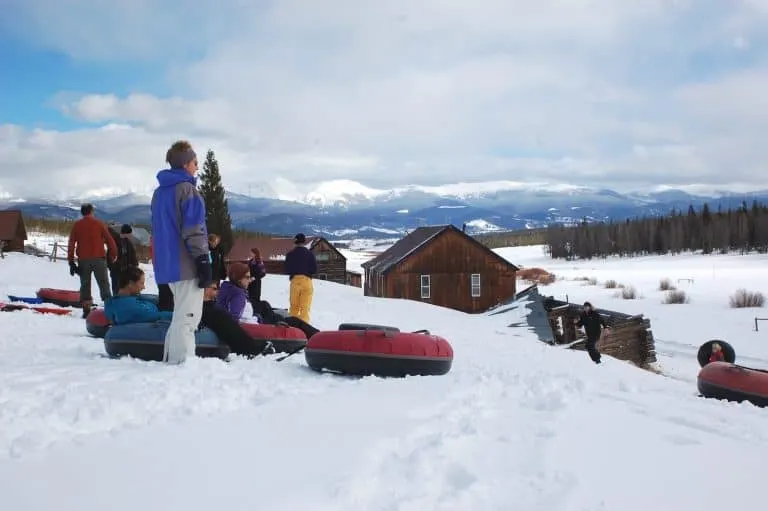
{"points": [[679, 329], [515, 425]]}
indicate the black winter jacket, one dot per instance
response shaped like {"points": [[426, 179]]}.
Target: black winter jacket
{"points": [[591, 323]]}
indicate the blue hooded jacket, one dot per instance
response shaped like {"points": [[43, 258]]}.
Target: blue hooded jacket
{"points": [[179, 234], [121, 310]]}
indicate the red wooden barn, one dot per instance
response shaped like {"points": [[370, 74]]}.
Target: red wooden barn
{"points": [[444, 266]]}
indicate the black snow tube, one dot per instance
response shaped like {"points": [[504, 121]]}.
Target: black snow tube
{"points": [[367, 326], [705, 351], [146, 341]]}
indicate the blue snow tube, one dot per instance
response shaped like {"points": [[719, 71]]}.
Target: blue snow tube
{"points": [[146, 341]]}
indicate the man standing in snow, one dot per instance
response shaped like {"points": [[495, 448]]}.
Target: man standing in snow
{"points": [[180, 254], [86, 241], [592, 322]]}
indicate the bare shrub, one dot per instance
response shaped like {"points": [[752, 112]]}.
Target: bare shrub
{"points": [[628, 293], [742, 299], [676, 296], [666, 285], [592, 281], [610, 284]]}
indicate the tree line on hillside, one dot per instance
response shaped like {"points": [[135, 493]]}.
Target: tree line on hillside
{"points": [[744, 229]]}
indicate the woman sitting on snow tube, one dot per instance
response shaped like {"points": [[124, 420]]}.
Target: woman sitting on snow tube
{"points": [[232, 295], [129, 307], [228, 329]]}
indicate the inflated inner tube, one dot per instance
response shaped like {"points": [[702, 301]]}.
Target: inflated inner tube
{"points": [[367, 326], [705, 351], [146, 341], [60, 297], [379, 352], [96, 323], [284, 339], [731, 382]]}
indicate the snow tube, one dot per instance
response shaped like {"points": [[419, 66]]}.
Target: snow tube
{"points": [[723, 380], [11, 307], [705, 351], [96, 323], [146, 341], [367, 326], [379, 352], [60, 297], [24, 299], [284, 339]]}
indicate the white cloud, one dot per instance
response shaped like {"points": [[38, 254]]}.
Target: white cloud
{"points": [[594, 92]]}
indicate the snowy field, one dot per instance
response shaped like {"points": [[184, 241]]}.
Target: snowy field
{"points": [[679, 329], [516, 425]]}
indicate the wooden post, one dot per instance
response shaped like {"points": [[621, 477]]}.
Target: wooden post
{"points": [[2, 250], [759, 319]]}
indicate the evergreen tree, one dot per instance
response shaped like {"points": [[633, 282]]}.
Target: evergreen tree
{"points": [[217, 217]]}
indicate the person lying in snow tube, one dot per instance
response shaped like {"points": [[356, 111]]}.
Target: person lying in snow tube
{"points": [[228, 329], [129, 307], [233, 295]]}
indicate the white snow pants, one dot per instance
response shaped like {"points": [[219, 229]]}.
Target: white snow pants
{"points": [[187, 311]]}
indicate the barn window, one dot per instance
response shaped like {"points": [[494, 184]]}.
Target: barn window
{"points": [[322, 256], [475, 284], [322, 276], [425, 286]]}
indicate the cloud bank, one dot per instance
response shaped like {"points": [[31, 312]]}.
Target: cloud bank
{"points": [[592, 92]]}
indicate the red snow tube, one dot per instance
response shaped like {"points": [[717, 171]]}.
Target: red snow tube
{"points": [[96, 323], [379, 352], [723, 380], [285, 339], [6, 307], [60, 297]]}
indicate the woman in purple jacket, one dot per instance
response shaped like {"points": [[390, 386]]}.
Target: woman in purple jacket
{"points": [[232, 296], [258, 271]]}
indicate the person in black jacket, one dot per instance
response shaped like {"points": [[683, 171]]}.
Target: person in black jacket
{"points": [[218, 267], [300, 265], [593, 323], [126, 256]]}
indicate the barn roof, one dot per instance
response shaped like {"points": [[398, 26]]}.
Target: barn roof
{"points": [[270, 248], [10, 220], [415, 241]]}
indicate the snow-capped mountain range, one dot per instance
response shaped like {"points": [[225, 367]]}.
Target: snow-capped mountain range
{"points": [[348, 209]]}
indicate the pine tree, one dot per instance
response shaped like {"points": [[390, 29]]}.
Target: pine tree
{"points": [[217, 217]]}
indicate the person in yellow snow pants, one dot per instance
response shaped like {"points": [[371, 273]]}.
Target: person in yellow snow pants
{"points": [[300, 265], [301, 297]]}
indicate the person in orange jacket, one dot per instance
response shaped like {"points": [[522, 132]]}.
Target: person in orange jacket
{"points": [[86, 241], [717, 353]]}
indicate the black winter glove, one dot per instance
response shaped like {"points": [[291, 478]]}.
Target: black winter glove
{"points": [[204, 271], [73, 269]]}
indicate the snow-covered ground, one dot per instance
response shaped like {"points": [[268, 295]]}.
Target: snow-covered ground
{"points": [[515, 425], [679, 329]]}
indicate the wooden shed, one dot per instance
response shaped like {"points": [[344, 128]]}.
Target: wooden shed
{"points": [[331, 264], [13, 233], [444, 266]]}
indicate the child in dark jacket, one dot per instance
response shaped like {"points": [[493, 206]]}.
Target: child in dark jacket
{"points": [[232, 296], [128, 306], [258, 271]]}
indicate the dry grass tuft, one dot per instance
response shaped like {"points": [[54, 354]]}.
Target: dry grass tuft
{"points": [[742, 299]]}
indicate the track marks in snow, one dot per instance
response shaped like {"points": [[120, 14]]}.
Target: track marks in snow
{"points": [[461, 451]]}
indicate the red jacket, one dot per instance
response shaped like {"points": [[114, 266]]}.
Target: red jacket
{"points": [[717, 357], [90, 235]]}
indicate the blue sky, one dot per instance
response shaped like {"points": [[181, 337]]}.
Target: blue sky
{"points": [[290, 93]]}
